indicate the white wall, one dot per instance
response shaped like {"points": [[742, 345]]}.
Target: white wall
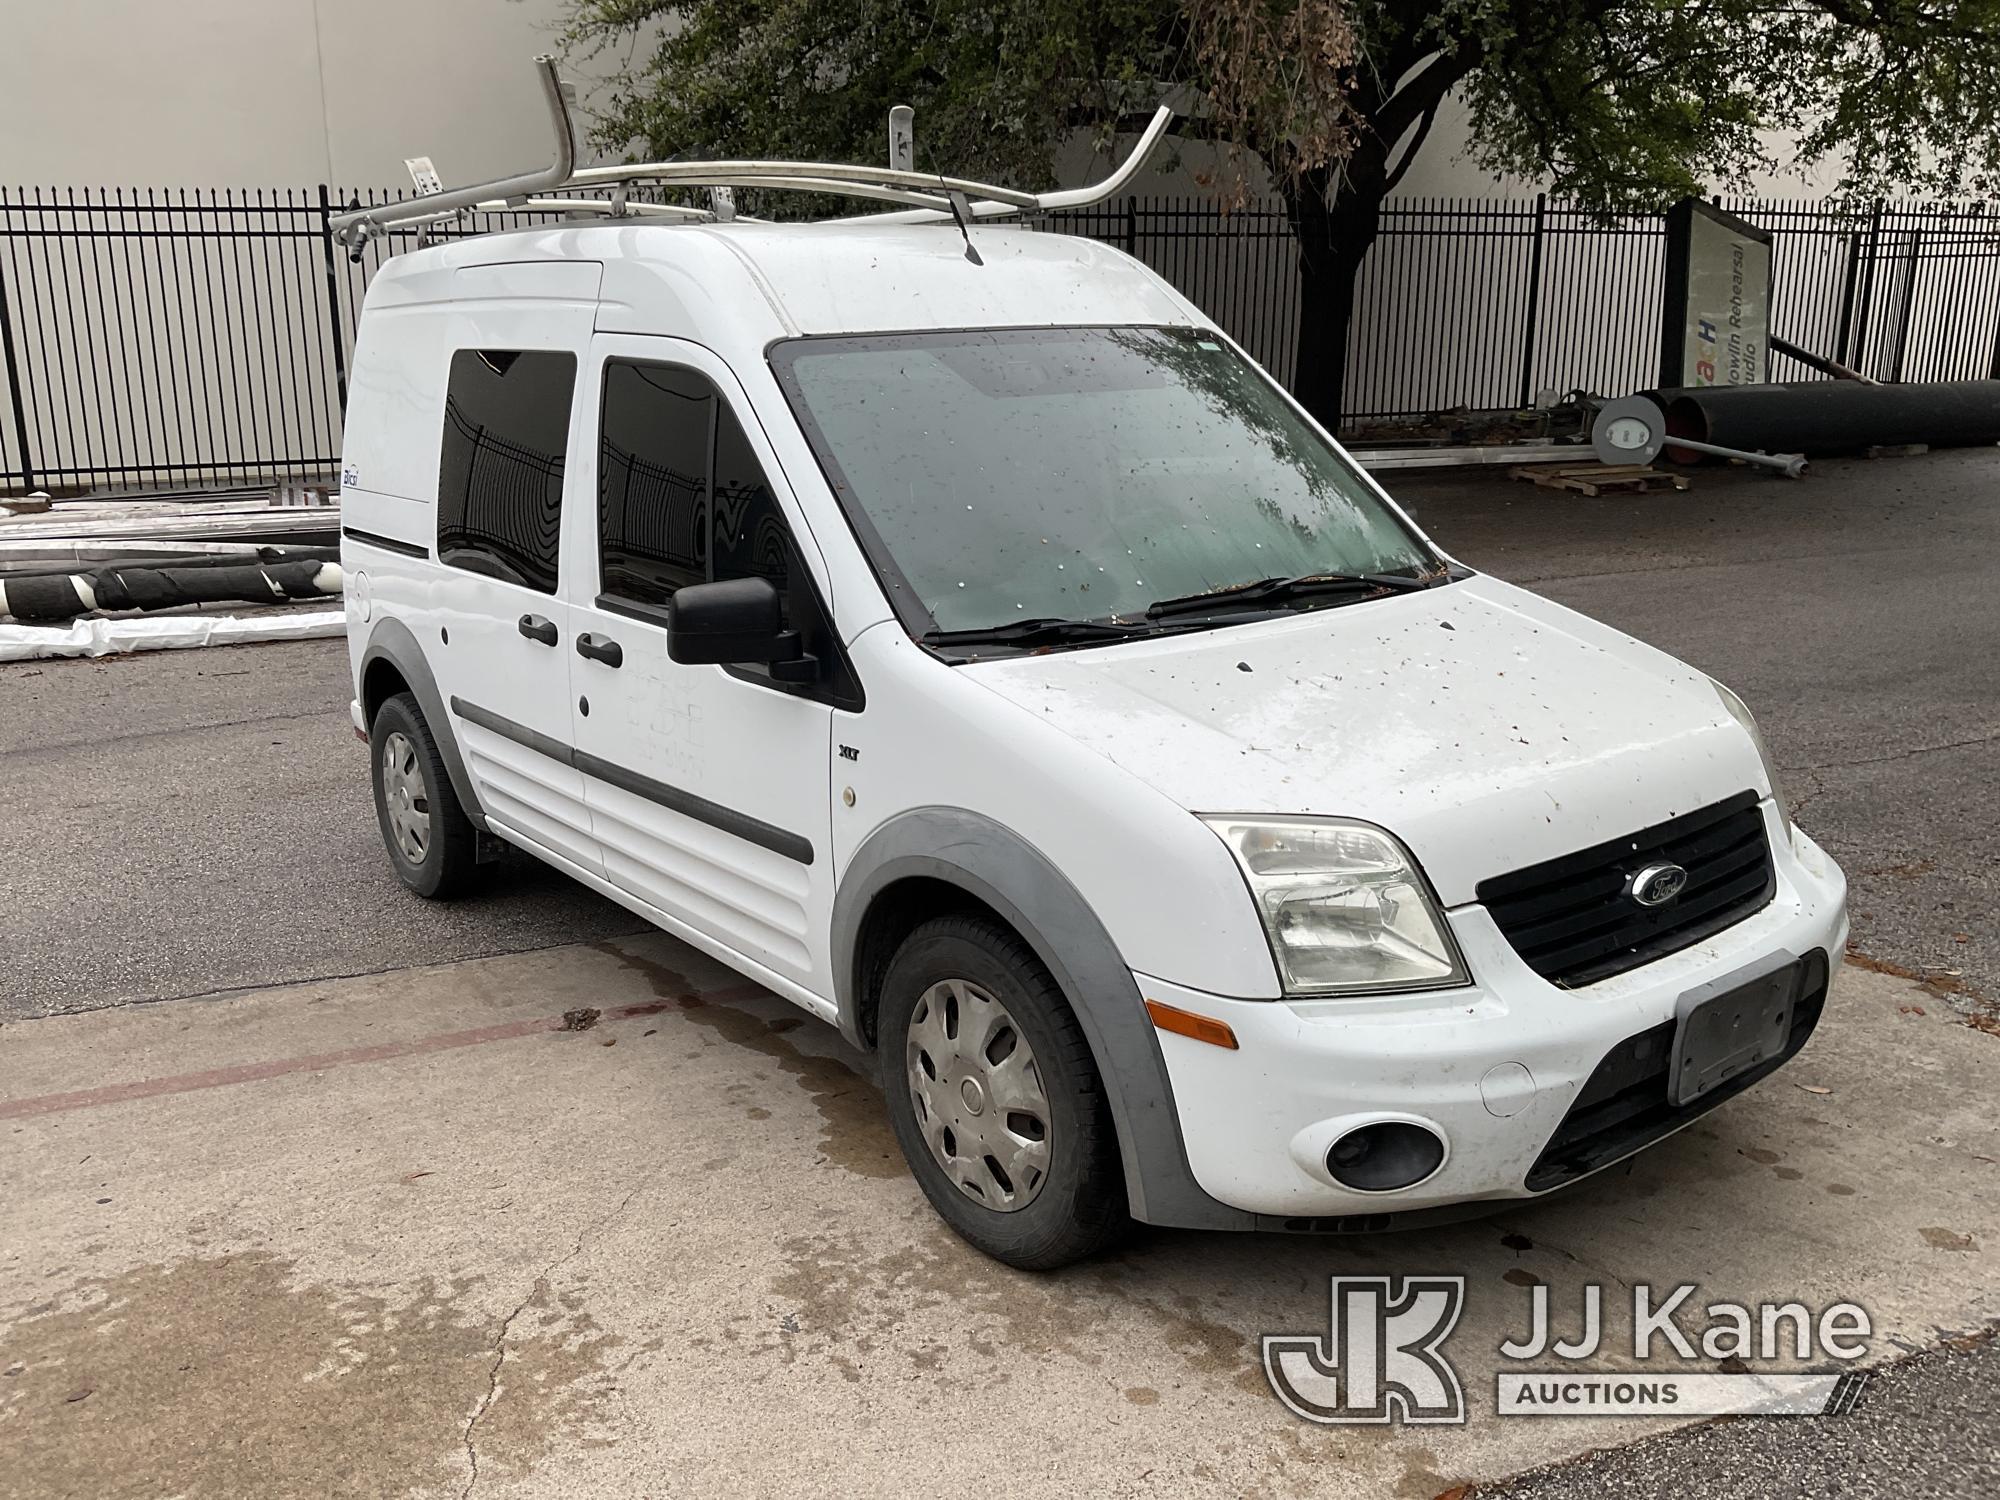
{"points": [[1445, 168], [260, 93]]}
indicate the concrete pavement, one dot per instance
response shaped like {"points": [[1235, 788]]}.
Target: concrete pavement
{"points": [[358, 1236]]}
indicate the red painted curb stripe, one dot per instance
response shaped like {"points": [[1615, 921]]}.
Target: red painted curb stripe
{"points": [[445, 1041]]}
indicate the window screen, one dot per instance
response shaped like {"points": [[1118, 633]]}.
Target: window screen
{"points": [[500, 473], [681, 496]]}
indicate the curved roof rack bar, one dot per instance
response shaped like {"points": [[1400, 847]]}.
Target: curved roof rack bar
{"points": [[989, 206], [363, 224], [925, 196]]}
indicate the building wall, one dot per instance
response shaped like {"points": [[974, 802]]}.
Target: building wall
{"points": [[260, 93]]}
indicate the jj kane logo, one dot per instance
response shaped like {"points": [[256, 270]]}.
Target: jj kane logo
{"points": [[1380, 1360]]}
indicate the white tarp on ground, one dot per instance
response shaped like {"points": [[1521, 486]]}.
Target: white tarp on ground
{"points": [[107, 637]]}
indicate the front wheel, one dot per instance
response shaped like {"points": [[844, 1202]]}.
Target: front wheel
{"points": [[431, 842], [995, 1097]]}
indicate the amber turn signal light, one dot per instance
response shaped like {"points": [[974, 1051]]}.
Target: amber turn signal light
{"points": [[1187, 1023]]}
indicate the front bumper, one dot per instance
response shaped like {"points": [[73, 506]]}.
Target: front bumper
{"points": [[1495, 1067]]}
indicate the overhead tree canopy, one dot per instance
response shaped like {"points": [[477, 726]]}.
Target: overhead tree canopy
{"points": [[1619, 104]]}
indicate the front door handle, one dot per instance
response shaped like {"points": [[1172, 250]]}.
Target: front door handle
{"points": [[600, 648], [535, 628]]}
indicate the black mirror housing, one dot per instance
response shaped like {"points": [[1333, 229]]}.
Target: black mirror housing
{"points": [[729, 623]]}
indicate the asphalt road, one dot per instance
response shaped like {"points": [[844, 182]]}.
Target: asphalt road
{"points": [[190, 821]]}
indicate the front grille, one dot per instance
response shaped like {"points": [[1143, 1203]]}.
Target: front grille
{"points": [[1625, 1104], [1572, 922]]}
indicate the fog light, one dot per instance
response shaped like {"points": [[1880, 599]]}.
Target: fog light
{"points": [[1385, 1156]]}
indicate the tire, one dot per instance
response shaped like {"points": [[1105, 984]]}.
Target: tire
{"points": [[975, 970], [431, 842]]}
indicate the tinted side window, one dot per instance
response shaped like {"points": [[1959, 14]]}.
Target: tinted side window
{"points": [[653, 480], [500, 470]]}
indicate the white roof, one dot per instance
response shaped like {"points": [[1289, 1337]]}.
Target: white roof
{"points": [[716, 282]]}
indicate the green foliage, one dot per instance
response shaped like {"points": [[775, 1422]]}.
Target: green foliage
{"points": [[1624, 103], [997, 85], [1630, 103]]}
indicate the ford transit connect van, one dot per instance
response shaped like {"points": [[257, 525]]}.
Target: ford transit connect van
{"points": [[989, 658]]}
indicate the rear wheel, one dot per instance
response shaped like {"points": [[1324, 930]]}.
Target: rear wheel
{"points": [[431, 842], [995, 1097]]}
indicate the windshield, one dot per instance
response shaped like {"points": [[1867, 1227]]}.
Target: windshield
{"points": [[1077, 473]]}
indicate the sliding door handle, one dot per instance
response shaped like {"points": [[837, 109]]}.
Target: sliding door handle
{"points": [[535, 628], [600, 648]]}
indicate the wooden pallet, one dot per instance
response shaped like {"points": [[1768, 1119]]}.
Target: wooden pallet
{"points": [[1602, 479]]}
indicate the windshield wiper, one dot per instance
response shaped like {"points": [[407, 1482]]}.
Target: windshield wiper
{"points": [[1283, 590], [1036, 632]]}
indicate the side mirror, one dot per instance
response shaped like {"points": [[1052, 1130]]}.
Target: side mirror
{"points": [[736, 622]]}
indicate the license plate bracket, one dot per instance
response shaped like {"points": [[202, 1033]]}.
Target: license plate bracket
{"points": [[1720, 1036]]}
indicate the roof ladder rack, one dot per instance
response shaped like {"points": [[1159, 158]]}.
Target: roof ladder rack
{"points": [[921, 197]]}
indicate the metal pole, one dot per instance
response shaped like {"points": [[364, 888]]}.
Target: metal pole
{"points": [[1534, 303], [1909, 304], [902, 139], [330, 255], [1868, 287], [1844, 337], [26, 466]]}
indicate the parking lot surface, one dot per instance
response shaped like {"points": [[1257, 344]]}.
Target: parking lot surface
{"points": [[368, 1222]]}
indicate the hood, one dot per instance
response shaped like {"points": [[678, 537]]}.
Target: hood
{"points": [[1486, 728]]}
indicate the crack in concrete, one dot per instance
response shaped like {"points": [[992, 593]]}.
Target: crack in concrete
{"points": [[507, 1326]]}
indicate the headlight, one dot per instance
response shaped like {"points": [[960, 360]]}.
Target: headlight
{"points": [[1343, 904], [1743, 716]]}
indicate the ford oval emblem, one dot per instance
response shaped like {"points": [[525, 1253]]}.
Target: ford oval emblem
{"points": [[1656, 885]]}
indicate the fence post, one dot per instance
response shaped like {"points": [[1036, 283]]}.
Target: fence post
{"points": [[26, 465], [1868, 288], [1131, 227], [1844, 335], [332, 259], [1909, 305], [1534, 302]]}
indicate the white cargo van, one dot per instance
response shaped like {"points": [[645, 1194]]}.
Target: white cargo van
{"points": [[990, 658]]}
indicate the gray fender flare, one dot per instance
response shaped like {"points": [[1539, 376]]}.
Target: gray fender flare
{"points": [[392, 641], [1003, 870]]}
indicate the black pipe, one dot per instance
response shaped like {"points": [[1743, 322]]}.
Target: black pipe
{"points": [[1835, 416], [47, 598], [14, 571]]}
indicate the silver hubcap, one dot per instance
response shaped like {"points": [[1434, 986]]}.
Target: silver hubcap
{"points": [[406, 797], [978, 1095]]}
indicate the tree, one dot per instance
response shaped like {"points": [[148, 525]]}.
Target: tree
{"points": [[1620, 104]]}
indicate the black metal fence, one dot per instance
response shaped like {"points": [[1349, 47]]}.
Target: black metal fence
{"points": [[158, 339]]}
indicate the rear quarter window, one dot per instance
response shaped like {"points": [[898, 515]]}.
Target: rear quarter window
{"points": [[500, 467]]}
